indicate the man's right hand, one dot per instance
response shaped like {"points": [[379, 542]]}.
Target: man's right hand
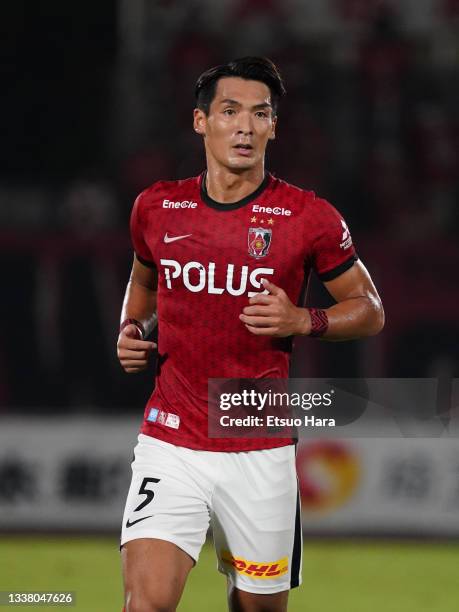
{"points": [[133, 353]]}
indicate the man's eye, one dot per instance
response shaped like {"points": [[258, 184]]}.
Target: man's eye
{"points": [[261, 114], [228, 111]]}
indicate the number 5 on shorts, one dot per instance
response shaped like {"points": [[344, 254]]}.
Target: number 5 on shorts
{"points": [[148, 492]]}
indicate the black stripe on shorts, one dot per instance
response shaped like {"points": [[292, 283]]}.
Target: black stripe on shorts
{"points": [[297, 547]]}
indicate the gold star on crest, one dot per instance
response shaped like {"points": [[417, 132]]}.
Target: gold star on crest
{"points": [[270, 221], [262, 221], [253, 220]]}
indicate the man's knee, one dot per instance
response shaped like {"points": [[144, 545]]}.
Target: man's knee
{"points": [[243, 601], [154, 597], [148, 602]]}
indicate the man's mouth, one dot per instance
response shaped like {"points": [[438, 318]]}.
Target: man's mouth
{"points": [[243, 149]]}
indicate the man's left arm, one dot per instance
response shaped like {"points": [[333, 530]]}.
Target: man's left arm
{"points": [[358, 312]]}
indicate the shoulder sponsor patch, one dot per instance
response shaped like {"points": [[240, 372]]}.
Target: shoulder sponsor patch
{"points": [[346, 240]]}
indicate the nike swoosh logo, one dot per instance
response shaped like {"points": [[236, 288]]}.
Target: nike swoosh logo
{"points": [[168, 239], [130, 523]]}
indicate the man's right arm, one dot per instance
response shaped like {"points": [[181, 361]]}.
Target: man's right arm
{"points": [[139, 304]]}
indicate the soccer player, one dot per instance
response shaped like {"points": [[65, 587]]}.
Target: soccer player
{"points": [[220, 261]]}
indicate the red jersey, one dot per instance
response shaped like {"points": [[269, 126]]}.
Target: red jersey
{"points": [[211, 258]]}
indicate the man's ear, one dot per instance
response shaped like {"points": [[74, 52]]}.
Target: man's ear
{"points": [[272, 136], [199, 121]]}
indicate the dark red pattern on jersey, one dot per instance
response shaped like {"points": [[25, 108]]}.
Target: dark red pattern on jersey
{"points": [[206, 269]]}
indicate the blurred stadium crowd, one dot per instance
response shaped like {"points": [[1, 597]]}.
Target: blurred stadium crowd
{"points": [[98, 105]]}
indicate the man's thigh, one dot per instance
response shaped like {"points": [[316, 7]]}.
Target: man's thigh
{"points": [[164, 525], [154, 573], [256, 523], [168, 497]]}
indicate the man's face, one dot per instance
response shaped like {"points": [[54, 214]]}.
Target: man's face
{"points": [[239, 124]]}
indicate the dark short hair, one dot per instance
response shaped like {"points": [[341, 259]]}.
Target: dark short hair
{"points": [[249, 68]]}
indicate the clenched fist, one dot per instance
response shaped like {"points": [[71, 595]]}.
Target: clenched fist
{"points": [[274, 314], [133, 352]]}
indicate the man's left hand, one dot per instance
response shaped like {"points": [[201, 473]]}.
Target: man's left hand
{"points": [[274, 314]]}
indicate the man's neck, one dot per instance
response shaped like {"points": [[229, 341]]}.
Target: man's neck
{"points": [[225, 186]]}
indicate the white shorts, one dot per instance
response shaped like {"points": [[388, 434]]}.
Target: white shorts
{"points": [[250, 499]]}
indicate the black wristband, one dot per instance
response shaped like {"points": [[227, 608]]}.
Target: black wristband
{"points": [[138, 324], [319, 322]]}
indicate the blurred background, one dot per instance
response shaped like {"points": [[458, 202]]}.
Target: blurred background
{"points": [[96, 105]]}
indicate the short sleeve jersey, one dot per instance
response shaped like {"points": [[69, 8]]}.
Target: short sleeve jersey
{"points": [[210, 259]]}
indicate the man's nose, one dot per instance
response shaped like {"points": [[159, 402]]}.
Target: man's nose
{"points": [[245, 124]]}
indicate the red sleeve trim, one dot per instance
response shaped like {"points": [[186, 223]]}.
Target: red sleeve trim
{"points": [[335, 272]]}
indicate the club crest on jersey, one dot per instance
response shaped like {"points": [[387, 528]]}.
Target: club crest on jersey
{"points": [[259, 240]]}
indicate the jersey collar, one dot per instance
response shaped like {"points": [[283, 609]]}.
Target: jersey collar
{"points": [[205, 197]]}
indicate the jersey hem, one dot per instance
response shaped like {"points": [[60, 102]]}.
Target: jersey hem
{"points": [[243, 445]]}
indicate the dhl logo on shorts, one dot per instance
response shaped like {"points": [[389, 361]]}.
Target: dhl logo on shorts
{"points": [[271, 569]]}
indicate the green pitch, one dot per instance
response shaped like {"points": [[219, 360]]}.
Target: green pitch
{"points": [[349, 577]]}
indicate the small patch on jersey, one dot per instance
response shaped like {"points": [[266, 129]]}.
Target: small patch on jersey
{"points": [[153, 415], [256, 569], [172, 420], [162, 416], [165, 418], [346, 237], [259, 241]]}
